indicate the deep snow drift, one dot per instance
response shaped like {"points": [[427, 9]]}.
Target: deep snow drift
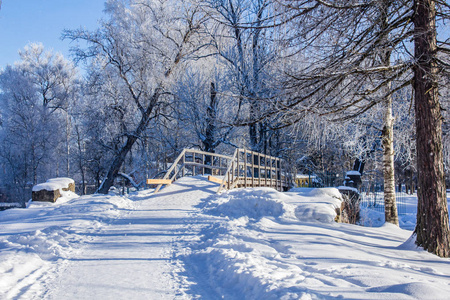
{"points": [[188, 242]]}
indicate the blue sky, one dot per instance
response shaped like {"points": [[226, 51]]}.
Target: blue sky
{"points": [[25, 21]]}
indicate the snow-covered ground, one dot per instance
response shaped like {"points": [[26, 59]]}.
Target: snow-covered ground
{"points": [[187, 242]]}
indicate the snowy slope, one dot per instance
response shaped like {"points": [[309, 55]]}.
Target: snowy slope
{"points": [[269, 254], [187, 242]]}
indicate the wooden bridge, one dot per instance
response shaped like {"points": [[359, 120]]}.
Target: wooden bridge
{"points": [[243, 169]]}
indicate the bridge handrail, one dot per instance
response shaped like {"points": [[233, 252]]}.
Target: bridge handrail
{"points": [[182, 157], [274, 168], [265, 170]]}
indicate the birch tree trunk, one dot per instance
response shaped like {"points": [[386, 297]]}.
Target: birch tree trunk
{"points": [[432, 227], [390, 206]]}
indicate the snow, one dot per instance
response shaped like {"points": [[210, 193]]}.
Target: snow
{"points": [[53, 184], [305, 176], [407, 216], [129, 178], [347, 188], [187, 242], [62, 180], [48, 186], [10, 204], [356, 173]]}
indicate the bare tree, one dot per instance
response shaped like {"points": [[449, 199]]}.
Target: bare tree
{"points": [[142, 44], [203, 109], [36, 94], [387, 134], [350, 70], [355, 71], [240, 39]]}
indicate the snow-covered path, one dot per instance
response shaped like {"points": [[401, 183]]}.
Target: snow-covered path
{"points": [[187, 242], [132, 257]]}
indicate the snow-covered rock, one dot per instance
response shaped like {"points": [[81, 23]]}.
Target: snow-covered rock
{"points": [[61, 183], [51, 190]]}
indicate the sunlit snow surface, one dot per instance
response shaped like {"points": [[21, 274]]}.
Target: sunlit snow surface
{"points": [[187, 242]]}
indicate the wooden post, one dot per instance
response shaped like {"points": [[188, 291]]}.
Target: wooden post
{"points": [[203, 163], [265, 170], [214, 179], [183, 171], [193, 165], [271, 172], [276, 174], [159, 181], [277, 177], [245, 167], [259, 169], [252, 170]]}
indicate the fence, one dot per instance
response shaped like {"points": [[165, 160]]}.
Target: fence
{"points": [[372, 195], [374, 199]]}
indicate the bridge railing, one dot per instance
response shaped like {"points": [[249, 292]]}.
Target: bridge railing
{"points": [[254, 169], [244, 169], [195, 162]]}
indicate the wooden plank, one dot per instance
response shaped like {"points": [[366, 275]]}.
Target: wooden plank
{"points": [[215, 179], [159, 181]]}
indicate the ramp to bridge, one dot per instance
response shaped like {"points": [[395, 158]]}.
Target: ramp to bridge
{"points": [[132, 257]]}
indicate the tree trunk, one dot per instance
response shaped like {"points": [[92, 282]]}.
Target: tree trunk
{"points": [[390, 206], [80, 161], [387, 134], [211, 117], [131, 139], [256, 131], [210, 143], [68, 123], [116, 165], [432, 227], [360, 163], [253, 128]]}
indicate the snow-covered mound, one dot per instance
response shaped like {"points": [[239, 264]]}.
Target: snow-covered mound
{"points": [[235, 250], [262, 244], [251, 203], [317, 204], [311, 205]]}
